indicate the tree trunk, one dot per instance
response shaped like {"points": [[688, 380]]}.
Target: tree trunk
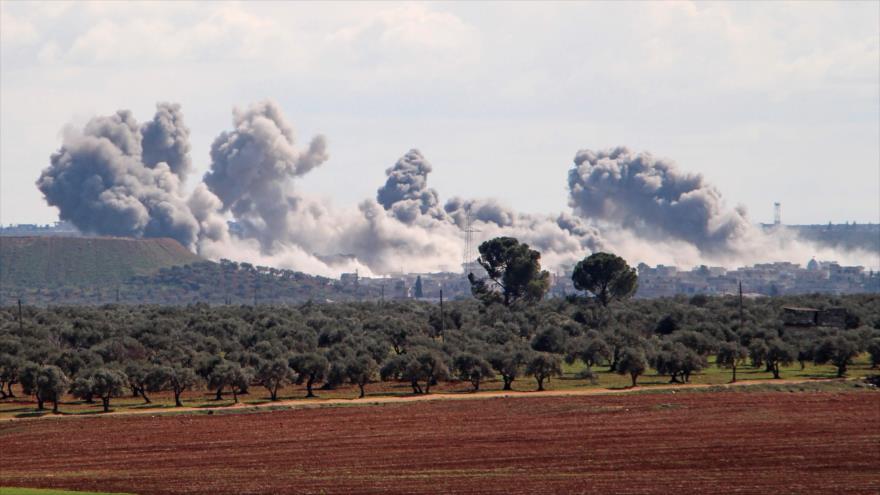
{"points": [[9, 393], [177, 402], [733, 380], [540, 384], [40, 403], [55, 406], [508, 383], [476, 384], [144, 395], [309, 387], [361, 386], [635, 378], [775, 368], [219, 395], [235, 395], [106, 402]]}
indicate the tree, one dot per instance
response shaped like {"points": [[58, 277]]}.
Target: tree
{"points": [[272, 375], [360, 371], [310, 368], [591, 349], [10, 371], [45, 383], [632, 362], [606, 276], [837, 350], [508, 361], [417, 289], [104, 383], [175, 378], [240, 381], [137, 373], [730, 355], [677, 360], [873, 350], [420, 365], [542, 366], [472, 368], [779, 353], [513, 269]]}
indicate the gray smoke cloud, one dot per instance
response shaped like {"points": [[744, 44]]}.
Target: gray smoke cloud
{"points": [[251, 169], [654, 198], [479, 210], [99, 182], [166, 139], [117, 177], [406, 193]]}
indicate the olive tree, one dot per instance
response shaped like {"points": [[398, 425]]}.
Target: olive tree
{"points": [[45, 383], [272, 375], [310, 368], [542, 366], [731, 355], [632, 362], [472, 368]]}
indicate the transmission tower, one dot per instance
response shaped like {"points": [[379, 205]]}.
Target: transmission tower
{"points": [[777, 214], [469, 255]]}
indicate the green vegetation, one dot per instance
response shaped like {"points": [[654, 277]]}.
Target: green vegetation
{"points": [[52, 262], [128, 355], [94, 271]]}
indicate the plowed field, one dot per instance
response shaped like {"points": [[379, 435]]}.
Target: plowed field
{"points": [[725, 442]]}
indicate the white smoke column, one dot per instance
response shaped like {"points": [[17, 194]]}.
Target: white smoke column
{"points": [[99, 182]]}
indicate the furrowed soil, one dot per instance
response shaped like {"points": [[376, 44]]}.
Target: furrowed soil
{"points": [[658, 443]]}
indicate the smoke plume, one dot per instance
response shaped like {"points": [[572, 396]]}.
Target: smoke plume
{"points": [[654, 198], [166, 139], [251, 167], [117, 177], [406, 193], [100, 183]]}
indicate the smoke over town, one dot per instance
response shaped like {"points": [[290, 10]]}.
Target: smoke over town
{"points": [[117, 177]]}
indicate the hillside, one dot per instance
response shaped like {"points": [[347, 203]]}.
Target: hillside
{"points": [[98, 270], [51, 262]]}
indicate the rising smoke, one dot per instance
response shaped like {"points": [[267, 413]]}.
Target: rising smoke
{"points": [[653, 198], [119, 178], [100, 183]]}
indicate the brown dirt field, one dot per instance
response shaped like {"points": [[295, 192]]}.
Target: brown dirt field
{"points": [[722, 442]]}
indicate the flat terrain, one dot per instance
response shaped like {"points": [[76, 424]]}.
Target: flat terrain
{"points": [[687, 442]]}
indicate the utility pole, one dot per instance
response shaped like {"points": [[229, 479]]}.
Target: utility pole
{"points": [[442, 315], [740, 306]]}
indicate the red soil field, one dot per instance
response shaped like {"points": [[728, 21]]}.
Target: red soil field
{"points": [[720, 442]]}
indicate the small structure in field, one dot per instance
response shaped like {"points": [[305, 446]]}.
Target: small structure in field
{"points": [[793, 316]]}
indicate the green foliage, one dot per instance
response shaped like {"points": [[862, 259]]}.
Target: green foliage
{"points": [[514, 273], [543, 366], [606, 276]]}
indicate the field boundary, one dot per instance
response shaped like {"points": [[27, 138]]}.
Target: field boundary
{"points": [[389, 399]]}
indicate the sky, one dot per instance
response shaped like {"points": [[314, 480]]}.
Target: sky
{"points": [[769, 101]]}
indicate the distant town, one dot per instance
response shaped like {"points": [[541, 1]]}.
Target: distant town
{"points": [[767, 279]]}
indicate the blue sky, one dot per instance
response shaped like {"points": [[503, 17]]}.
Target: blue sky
{"points": [[771, 101]]}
